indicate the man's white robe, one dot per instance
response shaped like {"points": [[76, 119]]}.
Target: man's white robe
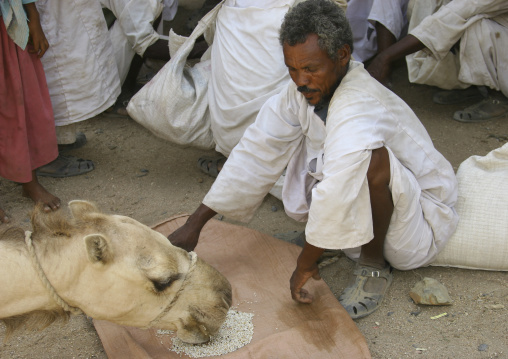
{"points": [[327, 165]]}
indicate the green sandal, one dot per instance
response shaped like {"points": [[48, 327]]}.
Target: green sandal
{"points": [[359, 303]]}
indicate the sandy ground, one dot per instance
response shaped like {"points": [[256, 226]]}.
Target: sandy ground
{"points": [[149, 179]]}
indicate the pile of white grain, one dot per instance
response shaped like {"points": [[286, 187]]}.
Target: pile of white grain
{"points": [[236, 332]]}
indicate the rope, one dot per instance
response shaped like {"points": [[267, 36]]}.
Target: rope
{"points": [[194, 258], [44, 279]]}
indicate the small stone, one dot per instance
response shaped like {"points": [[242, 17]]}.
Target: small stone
{"points": [[111, 147], [144, 170], [220, 217], [274, 209], [494, 306], [200, 180], [416, 313], [390, 313], [430, 292], [483, 347]]}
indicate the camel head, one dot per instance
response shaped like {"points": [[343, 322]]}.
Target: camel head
{"points": [[114, 268]]}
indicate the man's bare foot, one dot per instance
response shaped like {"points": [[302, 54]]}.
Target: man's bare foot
{"points": [[3, 217], [38, 193]]}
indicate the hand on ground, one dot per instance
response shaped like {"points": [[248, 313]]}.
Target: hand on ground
{"points": [[298, 280]]}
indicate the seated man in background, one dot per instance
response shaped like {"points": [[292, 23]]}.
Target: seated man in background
{"points": [[456, 45], [361, 168]]}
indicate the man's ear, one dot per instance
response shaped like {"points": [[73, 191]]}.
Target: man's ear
{"points": [[344, 55]]}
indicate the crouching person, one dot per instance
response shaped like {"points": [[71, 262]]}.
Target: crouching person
{"points": [[361, 168]]}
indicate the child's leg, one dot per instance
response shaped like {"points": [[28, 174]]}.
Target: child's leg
{"points": [[38, 193]]}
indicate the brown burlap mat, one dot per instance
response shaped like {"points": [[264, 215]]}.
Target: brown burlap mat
{"points": [[258, 267]]}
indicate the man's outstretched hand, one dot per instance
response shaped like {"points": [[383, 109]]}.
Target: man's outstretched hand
{"points": [[185, 237]]}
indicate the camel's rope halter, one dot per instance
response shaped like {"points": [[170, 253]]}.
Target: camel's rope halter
{"points": [[44, 279], [192, 265]]}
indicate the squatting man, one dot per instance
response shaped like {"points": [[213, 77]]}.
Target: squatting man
{"points": [[361, 168]]}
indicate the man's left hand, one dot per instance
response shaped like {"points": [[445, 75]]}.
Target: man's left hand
{"points": [[298, 280]]}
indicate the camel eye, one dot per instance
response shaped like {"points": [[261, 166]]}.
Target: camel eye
{"points": [[161, 285]]}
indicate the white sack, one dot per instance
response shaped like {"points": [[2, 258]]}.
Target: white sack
{"points": [[481, 238], [174, 104]]}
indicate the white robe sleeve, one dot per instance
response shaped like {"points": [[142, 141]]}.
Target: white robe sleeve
{"points": [[258, 160]]}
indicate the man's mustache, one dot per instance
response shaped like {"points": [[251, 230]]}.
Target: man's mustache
{"points": [[305, 89]]}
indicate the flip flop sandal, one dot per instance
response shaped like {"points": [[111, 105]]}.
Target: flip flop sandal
{"points": [[457, 96], [355, 300], [65, 166], [80, 142], [487, 109], [210, 166]]}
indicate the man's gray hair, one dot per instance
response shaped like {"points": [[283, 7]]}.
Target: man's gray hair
{"points": [[321, 17]]}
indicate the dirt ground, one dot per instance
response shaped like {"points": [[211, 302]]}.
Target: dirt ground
{"points": [[149, 179]]}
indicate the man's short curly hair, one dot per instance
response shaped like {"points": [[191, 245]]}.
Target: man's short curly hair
{"points": [[321, 17]]}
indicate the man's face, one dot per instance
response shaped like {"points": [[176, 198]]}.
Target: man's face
{"points": [[313, 71]]}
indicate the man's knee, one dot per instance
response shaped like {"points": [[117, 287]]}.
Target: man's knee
{"points": [[378, 173]]}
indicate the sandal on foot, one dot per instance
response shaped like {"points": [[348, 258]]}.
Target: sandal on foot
{"points": [[80, 142], [359, 303], [210, 166], [487, 109], [65, 166], [451, 97]]}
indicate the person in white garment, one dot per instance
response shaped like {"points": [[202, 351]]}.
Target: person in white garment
{"points": [[87, 63], [361, 168], [458, 46], [376, 24]]}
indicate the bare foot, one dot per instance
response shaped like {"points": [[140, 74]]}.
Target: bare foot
{"points": [[38, 193], [3, 217]]}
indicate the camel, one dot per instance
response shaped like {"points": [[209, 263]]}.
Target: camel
{"points": [[109, 267]]}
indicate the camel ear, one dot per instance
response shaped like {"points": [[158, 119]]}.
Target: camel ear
{"points": [[97, 248], [80, 209]]}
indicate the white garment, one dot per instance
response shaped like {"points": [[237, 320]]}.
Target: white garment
{"points": [[247, 66], [482, 29], [133, 30], [363, 116], [169, 10], [80, 68], [362, 16]]}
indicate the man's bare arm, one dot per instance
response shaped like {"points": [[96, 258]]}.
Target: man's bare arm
{"points": [[306, 268], [381, 67], [187, 236]]}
